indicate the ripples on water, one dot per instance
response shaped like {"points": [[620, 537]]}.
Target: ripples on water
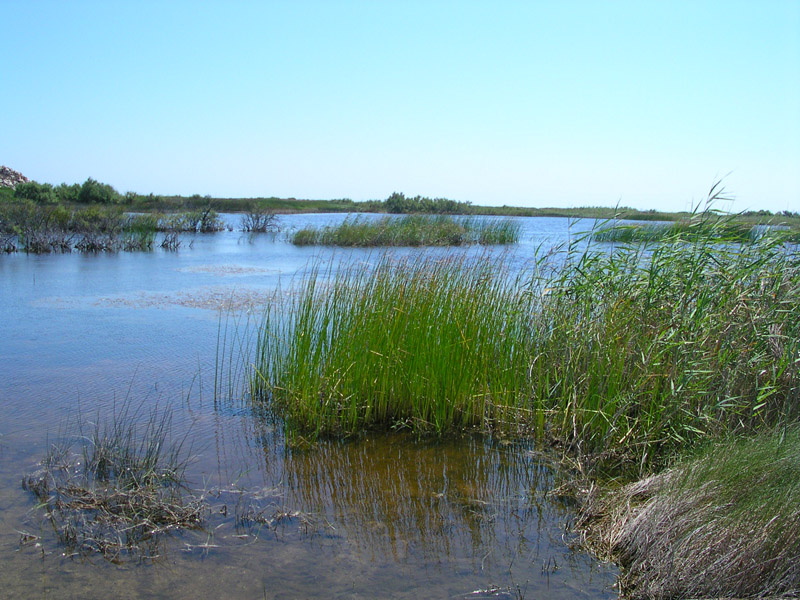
{"points": [[382, 516]]}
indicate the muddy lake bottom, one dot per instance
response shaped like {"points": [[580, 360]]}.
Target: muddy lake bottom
{"points": [[382, 516]]}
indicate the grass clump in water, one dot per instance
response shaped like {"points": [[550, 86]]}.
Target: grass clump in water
{"points": [[722, 227], [121, 492], [429, 344], [725, 523], [411, 230], [625, 355]]}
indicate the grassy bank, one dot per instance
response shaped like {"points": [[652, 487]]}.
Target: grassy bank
{"points": [[27, 226], [93, 192], [624, 356], [724, 523], [410, 230]]}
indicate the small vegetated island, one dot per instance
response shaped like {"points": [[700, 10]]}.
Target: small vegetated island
{"points": [[664, 360], [411, 230]]}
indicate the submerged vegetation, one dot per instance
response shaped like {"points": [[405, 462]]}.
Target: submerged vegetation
{"points": [[624, 356], [410, 230], [120, 492]]}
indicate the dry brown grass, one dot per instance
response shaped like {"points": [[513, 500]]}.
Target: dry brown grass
{"points": [[724, 525]]}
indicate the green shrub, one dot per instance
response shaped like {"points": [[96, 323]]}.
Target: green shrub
{"points": [[40, 193], [68, 194], [94, 192]]}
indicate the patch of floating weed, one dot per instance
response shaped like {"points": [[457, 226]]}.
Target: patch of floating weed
{"points": [[120, 491], [222, 270], [210, 298]]}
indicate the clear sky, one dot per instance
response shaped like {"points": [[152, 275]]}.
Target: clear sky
{"points": [[545, 103]]}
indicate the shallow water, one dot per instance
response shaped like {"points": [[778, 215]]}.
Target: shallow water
{"points": [[383, 516]]}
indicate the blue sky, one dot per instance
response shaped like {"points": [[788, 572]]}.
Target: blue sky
{"points": [[573, 103]]}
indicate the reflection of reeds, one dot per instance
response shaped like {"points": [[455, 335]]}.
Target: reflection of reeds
{"points": [[122, 494], [440, 500], [411, 230]]}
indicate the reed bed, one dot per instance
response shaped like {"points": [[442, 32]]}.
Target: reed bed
{"points": [[722, 227], [411, 230], [725, 523], [428, 344], [643, 350], [624, 355]]}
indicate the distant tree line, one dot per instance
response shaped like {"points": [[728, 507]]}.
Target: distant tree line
{"points": [[90, 192], [400, 204], [93, 192]]}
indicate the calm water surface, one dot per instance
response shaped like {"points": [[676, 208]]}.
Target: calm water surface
{"points": [[379, 517]]}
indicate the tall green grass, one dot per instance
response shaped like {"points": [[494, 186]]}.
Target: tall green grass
{"points": [[411, 230], [623, 355], [646, 349], [420, 343]]}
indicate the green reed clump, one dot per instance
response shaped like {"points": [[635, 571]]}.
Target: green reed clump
{"points": [[722, 524], [643, 349], [411, 230], [650, 232], [625, 355], [700, 225], [494, 231], [431, 344]]}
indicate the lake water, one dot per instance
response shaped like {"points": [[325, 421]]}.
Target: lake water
{"points": [[384, 516]]}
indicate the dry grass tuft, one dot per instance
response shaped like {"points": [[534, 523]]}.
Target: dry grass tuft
{"points": [[723, 525], [121, 494]]}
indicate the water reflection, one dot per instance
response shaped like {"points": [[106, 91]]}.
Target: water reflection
{"points": [[470, 509]]}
